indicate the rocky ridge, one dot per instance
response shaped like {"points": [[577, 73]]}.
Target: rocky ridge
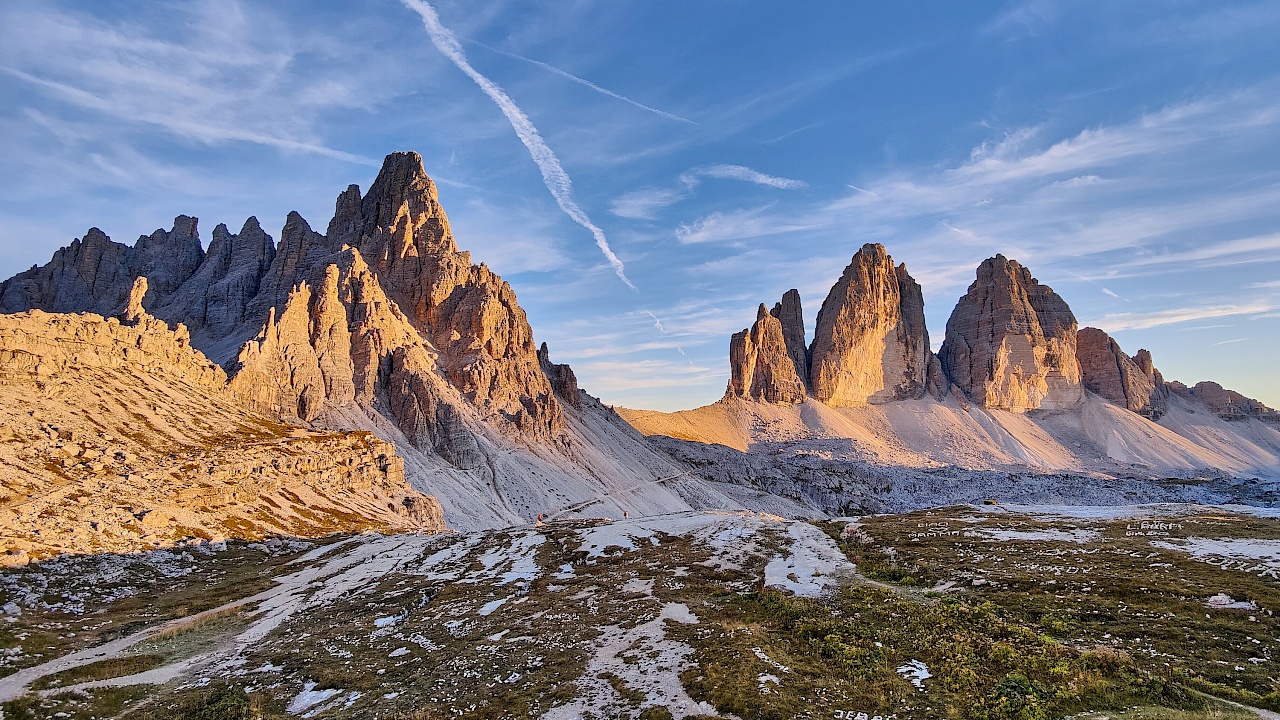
{"points": [[119, 436], [1107, 371], [382, 324], [1226, 404]]}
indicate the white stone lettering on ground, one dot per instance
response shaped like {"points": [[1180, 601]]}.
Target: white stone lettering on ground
{"points": [[1251, 555], [1223, 601], [1072, 536]]}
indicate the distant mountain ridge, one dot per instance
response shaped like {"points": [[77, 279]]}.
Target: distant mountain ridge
{"points": [[382, 324], [1017, 390], [1011, 344]]}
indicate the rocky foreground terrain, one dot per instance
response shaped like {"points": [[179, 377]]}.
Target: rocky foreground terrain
{"points": [[974, 612]]}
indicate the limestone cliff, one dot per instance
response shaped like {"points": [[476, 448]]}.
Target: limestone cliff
{"points": [[791, 315], [1106, 370], [1011, 342], [469, 314], [761, 366], [870, 344], [120, 437], [340, 340]]}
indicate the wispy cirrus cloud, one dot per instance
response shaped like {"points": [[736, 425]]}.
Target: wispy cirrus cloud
{"points": [[645, 203], [1117, 322], [742, 225], [743, 174], [209, 85]]}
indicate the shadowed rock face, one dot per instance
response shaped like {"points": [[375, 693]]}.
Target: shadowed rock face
{"points": [[791, 315], [213, 302], [1011, 342], [1107, 371], [870, 344], [95, 274], [761, 367], [562, 378]]}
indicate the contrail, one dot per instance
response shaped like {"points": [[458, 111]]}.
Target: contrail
{"points": [[553, 175], [658, 324], [588, 83]]}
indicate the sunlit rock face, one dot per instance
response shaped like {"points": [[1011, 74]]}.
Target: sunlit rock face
{"points": [[1011, 342], [760, 366], [870, 344], [1132, 383]]}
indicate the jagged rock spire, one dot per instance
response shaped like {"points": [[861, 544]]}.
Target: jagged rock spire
{"points": [[761, 367], [870, 344], [791, 315]]}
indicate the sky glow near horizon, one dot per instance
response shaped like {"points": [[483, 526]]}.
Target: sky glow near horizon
{"points": [[1129, 156]]}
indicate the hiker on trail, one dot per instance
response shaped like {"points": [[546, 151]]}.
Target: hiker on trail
{"points": [[626, 514], [539, 517]]}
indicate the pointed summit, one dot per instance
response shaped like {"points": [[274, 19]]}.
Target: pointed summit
{"points": [[402, 209], [870, 344], [760, 366], [791, 315]]}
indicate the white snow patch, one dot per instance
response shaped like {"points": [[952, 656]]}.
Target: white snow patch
{"points": [[309, 697], [388, 621], [636, 585], [519, 559], [399, 652], [625, 533], [646, 661], [492, 605], [813, 568], [915, 671]]}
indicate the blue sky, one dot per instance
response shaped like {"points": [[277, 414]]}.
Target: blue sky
{"points": [[1128, 153]]}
